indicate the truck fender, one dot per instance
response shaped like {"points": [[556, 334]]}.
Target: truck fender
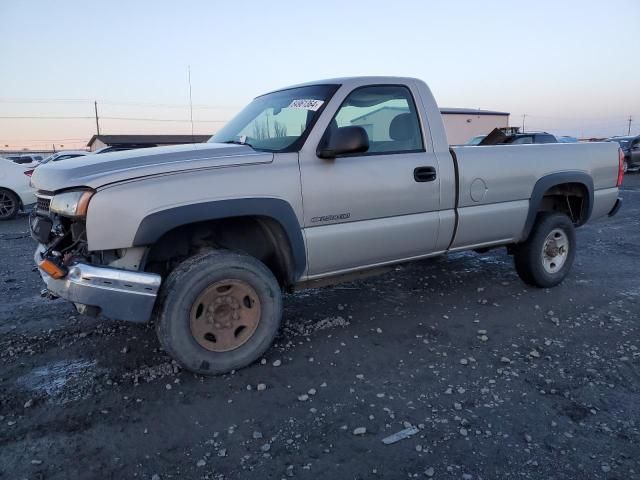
{"points": [[548, 181], [155, 225]]}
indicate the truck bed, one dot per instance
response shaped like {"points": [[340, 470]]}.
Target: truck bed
{"points": [[495, 184]]}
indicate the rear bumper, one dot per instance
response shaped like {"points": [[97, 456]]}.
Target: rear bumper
{"points": [[616, 207], [117, 294]]}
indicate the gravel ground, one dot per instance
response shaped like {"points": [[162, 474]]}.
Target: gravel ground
{"points": [[499, 380]]}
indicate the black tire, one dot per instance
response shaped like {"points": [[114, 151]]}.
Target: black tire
{"points": [[529, 257], [9, 204], [185, 285]]}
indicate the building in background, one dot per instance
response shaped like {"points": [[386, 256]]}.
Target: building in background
{"points": [[25, 152], [462, 124], [140, 141]]}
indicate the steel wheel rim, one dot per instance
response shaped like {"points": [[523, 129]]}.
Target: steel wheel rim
{"points": [[555, 250], [225, 315], [7, 205]]}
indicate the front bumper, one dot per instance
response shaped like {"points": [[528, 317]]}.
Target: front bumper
{"points": [[118, 294]]}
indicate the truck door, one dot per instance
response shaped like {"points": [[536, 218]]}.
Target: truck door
{"points": [[374, 207]]}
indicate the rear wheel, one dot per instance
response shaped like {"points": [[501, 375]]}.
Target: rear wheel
{"points": [[9, 204], [219, 311], [545, 259]]}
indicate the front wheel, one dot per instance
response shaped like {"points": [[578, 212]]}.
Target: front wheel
{"points": [[9, 204], [545, 259], [218, 311]]}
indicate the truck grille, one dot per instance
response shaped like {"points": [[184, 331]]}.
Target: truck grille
{"points": [[42, 204]]}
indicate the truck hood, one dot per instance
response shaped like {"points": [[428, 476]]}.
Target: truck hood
{"points": [[97, 170]]}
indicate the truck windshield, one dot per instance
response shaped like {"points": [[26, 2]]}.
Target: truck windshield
{"points": [[278, 121]]}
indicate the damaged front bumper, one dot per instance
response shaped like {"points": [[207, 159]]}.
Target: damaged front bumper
{"points": [[114, 293]]}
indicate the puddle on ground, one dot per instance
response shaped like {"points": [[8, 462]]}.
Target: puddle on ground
{"points": [[61, 382]]}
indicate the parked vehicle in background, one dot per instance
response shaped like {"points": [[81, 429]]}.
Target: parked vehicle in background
{"points": [[294, 192], [500, 137], [123, 147], [476, 140], [526, 138], [15, 192], [56, 157], [25, 159], [567, 139], [630, 146]]}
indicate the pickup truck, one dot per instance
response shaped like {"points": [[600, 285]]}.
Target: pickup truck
{"points": [[305, 186]]}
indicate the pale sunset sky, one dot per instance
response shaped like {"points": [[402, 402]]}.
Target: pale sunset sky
{"points": [[571, 66]]}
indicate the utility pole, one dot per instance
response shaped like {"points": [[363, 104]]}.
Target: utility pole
{"points": [[524, 116], [95, 104], [629, 127], [190, 103]]}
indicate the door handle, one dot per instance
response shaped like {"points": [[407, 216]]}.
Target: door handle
{"points": [[424, 174]]}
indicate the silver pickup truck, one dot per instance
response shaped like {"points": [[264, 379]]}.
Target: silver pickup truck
{"points": [[306, 185]]}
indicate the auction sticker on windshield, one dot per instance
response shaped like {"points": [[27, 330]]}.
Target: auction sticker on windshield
{"points": [[306, 104]]}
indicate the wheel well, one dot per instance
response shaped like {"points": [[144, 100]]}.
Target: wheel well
{"points": [[261, 237], [572, 199]]}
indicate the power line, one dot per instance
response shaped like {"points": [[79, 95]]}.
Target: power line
{"points": [[43, 117], [44, 100], [137, 119], [118, 103], [223, 107], [47, 140], [577, 119], [179, 120], [173, 105]]}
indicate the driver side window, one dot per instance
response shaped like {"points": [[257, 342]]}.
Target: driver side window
{"points": [[387, 113]]}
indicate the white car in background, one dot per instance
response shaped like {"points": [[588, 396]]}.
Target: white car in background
{"points": [[64, 155], [15, 191]]}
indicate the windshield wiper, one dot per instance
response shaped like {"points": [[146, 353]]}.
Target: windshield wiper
{"points": [[238, 142]]}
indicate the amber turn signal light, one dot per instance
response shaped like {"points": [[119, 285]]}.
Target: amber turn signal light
{"points": [[52, 269], [83, 204]]}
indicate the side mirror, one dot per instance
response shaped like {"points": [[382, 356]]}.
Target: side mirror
{"points": [[343, 140]]}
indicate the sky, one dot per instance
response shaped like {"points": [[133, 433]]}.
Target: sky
{"points": [[571, 67]]}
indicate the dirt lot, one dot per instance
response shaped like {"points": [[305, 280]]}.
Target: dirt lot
{"points": [[502, 381]]}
